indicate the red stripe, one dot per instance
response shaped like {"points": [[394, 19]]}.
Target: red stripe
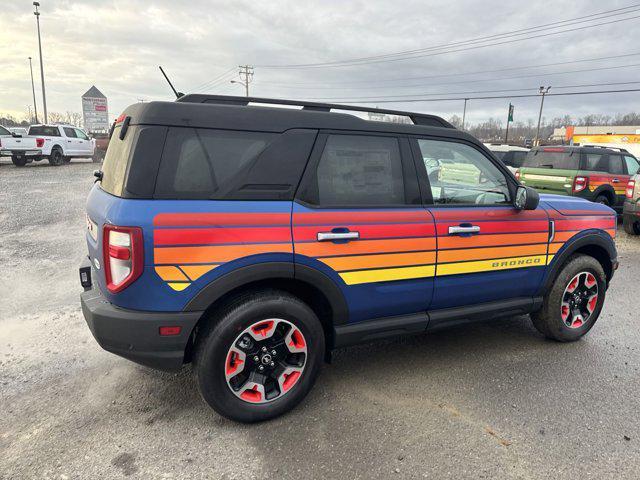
{"points": [[499, 227], [213, 236], [339, 219], [219, 219], [564, 225], [307, 233]]}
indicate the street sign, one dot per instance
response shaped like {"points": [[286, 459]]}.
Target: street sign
{"points": [[95, 111]]}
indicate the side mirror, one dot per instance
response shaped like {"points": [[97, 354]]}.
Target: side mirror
{"points": [[526, 198]]}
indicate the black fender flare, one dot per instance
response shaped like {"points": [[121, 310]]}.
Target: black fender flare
{"points": [[272, 271], [596, 238], [605, 190]]}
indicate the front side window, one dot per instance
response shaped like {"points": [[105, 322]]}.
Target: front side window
{"points": [[460, 174], [360, 170], [69, 132], [81, 134], [4, 131], [632, 165]]}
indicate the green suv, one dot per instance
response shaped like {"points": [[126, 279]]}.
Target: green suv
{"points": [[596, 173]]}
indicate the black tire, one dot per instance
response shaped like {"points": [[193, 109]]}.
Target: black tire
{"points": [[66, 159], [548, 320], [603, 199], [56, 158], [19, 161], [214, 342], [631, 226], [97, 157]]}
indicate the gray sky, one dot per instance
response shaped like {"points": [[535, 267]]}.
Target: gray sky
{"points": [[117, 45]]}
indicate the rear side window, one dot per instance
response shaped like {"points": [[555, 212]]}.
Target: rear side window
{"points": [[44, 131], [359, 170], [552, 159], [517, 159], [615, 164], [201, 163], [596, 162], [116, 160]]}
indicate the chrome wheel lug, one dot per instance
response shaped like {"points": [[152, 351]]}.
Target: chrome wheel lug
{"points": [[264, 349], [256, 359], [260, 367], [273, 352], [272, 364]]}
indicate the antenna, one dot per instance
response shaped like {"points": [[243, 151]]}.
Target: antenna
{"points": [[178, 94]]}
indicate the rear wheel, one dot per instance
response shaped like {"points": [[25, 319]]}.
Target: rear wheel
{"points": [[603, 199], [573, 304], [56, 158], [19, 161], [631, 226], [261, 356]]}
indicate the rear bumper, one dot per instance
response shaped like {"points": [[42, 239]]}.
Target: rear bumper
{"points": [[24, 153], [135, 335]]}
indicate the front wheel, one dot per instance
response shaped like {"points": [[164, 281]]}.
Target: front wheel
{"points": [[259, 357], [574, 301], [631, 226]]}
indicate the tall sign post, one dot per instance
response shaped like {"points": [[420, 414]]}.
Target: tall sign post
{"points": [[509, 119], [94, 111]]}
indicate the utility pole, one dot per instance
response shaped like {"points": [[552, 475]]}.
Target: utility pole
{"points": [[44, 96], [543, 91], [464, 112], [29, 110], [33, 89], [246, 77], [509, 119]]}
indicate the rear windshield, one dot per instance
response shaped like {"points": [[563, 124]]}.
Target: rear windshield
{"points": [[203, 163], [45, 131], [547, 159], [116, 160]]}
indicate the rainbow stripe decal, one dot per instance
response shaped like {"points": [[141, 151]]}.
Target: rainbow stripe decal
{"points": [[596, 181], [189, 245]]}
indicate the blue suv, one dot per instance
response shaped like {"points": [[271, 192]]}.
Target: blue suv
{"points": [[251, 240]]}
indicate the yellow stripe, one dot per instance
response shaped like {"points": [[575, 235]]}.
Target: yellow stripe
{"points": [[387, 274], [178, 286], [549, 258], [491, 265], [169, 273]]}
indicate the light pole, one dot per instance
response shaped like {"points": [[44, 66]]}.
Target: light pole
{"points": [[33, 89], [244, 84], [543, 91], [44, 95]]}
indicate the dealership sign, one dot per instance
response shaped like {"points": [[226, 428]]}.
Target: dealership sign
{"points": [[95, 111]]}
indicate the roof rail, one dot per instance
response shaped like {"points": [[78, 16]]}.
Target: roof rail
{"points": [[416, 118], [619, 149]]}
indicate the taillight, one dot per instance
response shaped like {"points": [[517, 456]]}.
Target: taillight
{"points": [[517, 174], [580, 183], [630, 187], [39, 142], [123, 256]]}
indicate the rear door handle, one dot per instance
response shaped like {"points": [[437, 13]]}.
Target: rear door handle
{"points": [[329, 236], [464, 229]]}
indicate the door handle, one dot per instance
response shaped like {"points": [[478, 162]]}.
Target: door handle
{"points": [[330, 236], [615, 180], [464, 229]]}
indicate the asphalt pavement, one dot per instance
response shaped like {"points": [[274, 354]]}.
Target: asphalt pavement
{"points": [[493, 400]]}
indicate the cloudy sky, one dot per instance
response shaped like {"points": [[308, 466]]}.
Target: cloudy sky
{"points": [[458, 48]]}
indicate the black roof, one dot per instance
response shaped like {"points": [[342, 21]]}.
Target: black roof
{"points": [[238, 113]]}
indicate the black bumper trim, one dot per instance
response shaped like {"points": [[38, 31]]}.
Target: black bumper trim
{"points": [[134, 334]]}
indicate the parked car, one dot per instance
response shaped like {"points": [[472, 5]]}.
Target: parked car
{"points": [[511, 155], [253, 240], [102, 142], [631, 207], [597, 174], [22, 150], [62, 142]]}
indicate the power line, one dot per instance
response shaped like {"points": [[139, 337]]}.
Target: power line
{"points": [[356, 62], [444, 75], [209, 83], [494, 97]]}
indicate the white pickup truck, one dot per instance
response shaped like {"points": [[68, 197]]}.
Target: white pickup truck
{"points": [[57, 143]]}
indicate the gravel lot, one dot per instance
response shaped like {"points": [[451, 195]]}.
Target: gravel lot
{"points": [[487, 401]]}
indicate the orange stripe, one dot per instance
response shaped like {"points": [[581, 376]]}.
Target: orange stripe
{"points": [[169, 274], [340, 264], [445, 256], [180, 255], [319, 249], [491, 240], [564, 236]]}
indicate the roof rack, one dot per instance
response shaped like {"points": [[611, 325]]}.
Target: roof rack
{"points": [[416, 118], [608, 148]]}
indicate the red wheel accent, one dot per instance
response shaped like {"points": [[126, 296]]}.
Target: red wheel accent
{"points": [[290, 380], [251, 395], [591, 304], [233, 362], [263, 329], [297, 340], [564, 311], [590, 281], [574, 283], [577, 322]]}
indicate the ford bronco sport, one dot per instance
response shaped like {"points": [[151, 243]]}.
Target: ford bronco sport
{"points": [[252, 240], [596, 173]]}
